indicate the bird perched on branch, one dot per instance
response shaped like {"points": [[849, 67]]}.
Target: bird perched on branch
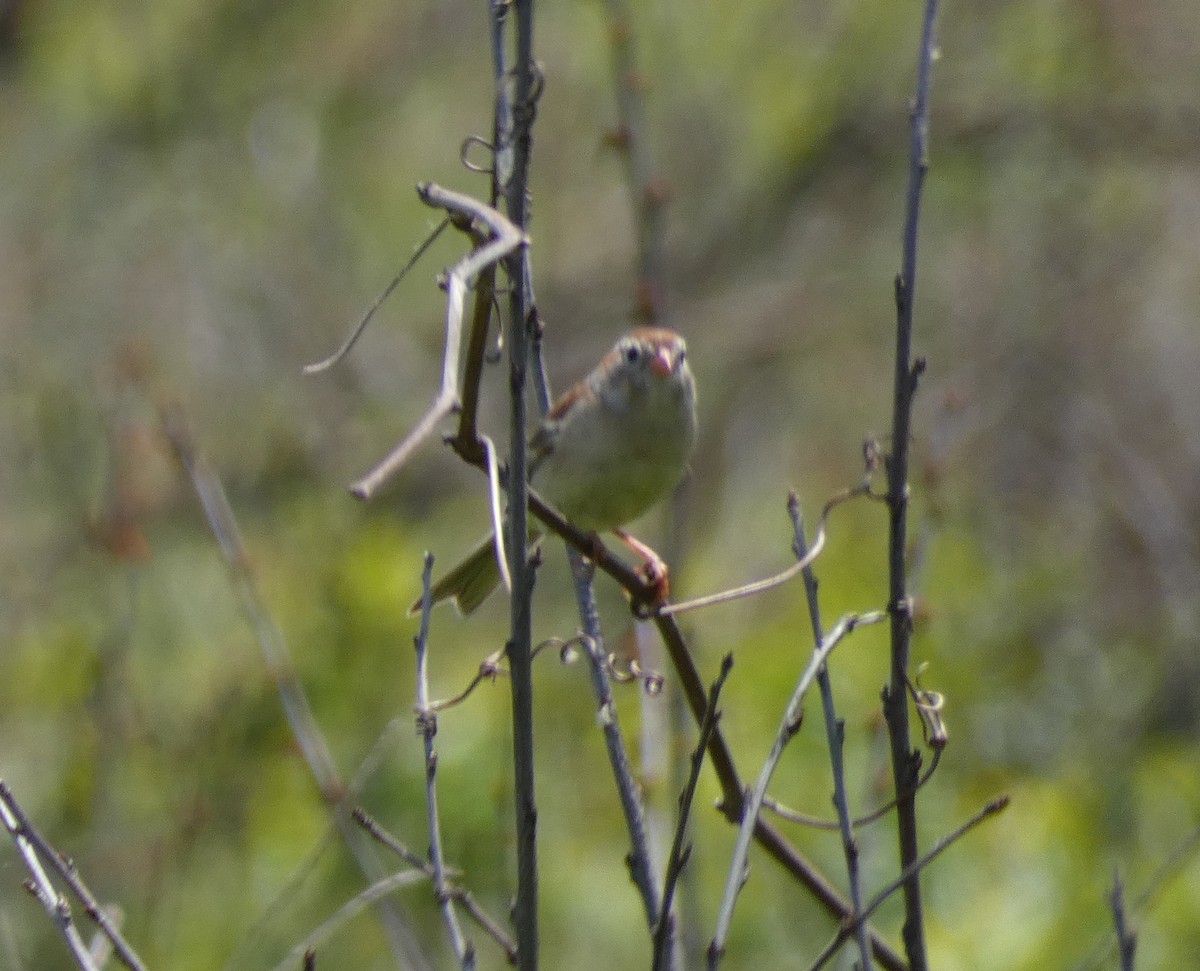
{"points": [[610, 448]]}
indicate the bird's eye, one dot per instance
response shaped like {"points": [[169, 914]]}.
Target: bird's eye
{"points": [[632, 353]]}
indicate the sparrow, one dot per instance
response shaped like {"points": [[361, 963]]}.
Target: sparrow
{"points": [[610, 447]]}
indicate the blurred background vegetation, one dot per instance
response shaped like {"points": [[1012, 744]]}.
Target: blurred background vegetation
{"points": [[198, 198]]}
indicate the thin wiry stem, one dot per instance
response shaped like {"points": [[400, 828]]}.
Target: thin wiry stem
{"points": [[792, 815], [835, 737], [779, 579], [1126, 936], [1167, 870], [919, 864], [640, 867], [733, 796], [33, 849], [679, 850], [789, 725], [356, 332], [486, 922], [375, 893], [427, 726], [506, 238]]}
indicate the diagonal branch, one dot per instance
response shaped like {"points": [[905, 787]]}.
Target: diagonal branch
{"points": [[679, 851], [278, 659], [848, 926], [733, 796], [34, 848], [789, 725], [466, 214]]}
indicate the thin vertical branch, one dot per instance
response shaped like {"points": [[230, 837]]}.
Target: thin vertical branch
{"points": [[788, 726], [427, 724], [1126, 936], [1167, 871], [680, 851], [835, 736], [640, 868], [906, 761], [733, 796], [518, 139]]}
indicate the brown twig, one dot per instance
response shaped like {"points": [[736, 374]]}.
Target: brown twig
{"points": [[631, 139], [466, 214]]}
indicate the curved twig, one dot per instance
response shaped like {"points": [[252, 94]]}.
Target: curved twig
{"points": [[779, 579], [464, 212], [357, 330]]}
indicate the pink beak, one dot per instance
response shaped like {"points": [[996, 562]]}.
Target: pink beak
{"points": [[663, 362]]}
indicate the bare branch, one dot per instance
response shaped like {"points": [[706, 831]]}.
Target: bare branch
{"points": [[848, 926], [906, 761], [789, 724], [1126, 936], [631, 138], [733, 797], [488, 924], [513, 148], [357, 330], [834, 735], [30, 844], [1169, 869], [640, 867], [679, 851], [464, 213], [278, 659], [427, 726]]}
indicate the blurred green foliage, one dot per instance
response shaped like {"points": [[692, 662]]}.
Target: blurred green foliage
{"points": [[196, 199]]}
